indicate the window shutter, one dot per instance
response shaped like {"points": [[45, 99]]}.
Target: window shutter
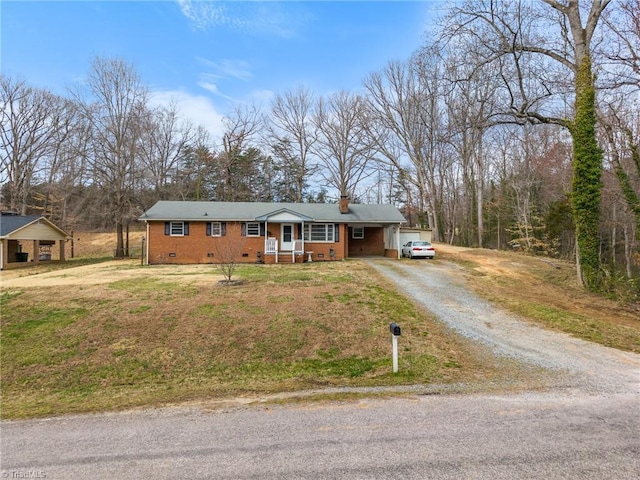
{"points": [[167, 228], [223, 229], [262, 229], [336, 236], [186, 228], [208, 229], [243, 230], [299, 231]]}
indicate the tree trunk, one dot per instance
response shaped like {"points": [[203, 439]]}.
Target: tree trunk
{"points": [[628, 252], [119, 239], [587, 183]]}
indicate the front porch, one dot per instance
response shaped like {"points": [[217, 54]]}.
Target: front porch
{"points": [[273, 253], [292, 242], [294, 238]]}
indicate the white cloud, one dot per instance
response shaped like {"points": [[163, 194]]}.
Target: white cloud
{"points": [[197, 109], [260, 18], [226, 68], [235, 68], [212, 87], [204, 14], [221, 71]]}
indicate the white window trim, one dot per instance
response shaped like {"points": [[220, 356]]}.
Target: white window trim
{"points": [[357, 237], [253, 225], [171, 226], [219, 229], [329, 232]]}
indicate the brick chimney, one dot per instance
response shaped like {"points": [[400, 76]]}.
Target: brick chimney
{"points": [[344, 204]]}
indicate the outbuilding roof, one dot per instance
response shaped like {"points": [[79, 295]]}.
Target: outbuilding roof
{"points": [[10, 224], [252, 211]]}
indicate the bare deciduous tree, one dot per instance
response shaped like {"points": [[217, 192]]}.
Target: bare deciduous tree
{"points": [[293, 136], [228, 257], [64, 166], [31, 121], [406, 122], [470, 104], [115, 113], [538, 46], [621, 50], [163, 142], [240, 127], [343, 145]]}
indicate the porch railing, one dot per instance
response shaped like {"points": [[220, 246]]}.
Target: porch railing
{"points": [[271, 247], [298, 249]]}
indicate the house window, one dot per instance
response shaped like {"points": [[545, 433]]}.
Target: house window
{"points": [[319, 232], [253, 229], [216, 229], [357, 233], [178, 229]]}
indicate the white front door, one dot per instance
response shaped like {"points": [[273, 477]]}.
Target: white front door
{"points": [[286, 237]]}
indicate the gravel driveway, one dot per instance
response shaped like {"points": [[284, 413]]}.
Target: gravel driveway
{"points": [[439, 287]]}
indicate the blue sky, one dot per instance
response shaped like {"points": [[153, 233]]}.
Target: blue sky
{"points": [[205, 55]]}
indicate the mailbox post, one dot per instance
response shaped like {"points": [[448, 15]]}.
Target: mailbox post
{"points": [[395, 330]]}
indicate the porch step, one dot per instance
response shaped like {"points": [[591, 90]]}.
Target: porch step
{"points": [[284, 257]]}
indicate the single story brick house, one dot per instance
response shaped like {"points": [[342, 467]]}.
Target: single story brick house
{"points": [[29, 238], [248, 232]]}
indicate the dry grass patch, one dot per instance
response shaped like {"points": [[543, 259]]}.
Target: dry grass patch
{"points": [[152, 338], [545, 291]]}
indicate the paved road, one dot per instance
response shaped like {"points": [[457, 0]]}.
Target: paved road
{"points": [[533, 436], [587, 427]]}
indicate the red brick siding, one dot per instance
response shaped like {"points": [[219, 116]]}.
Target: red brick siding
{"points": [[371, 244], [195, 247]]}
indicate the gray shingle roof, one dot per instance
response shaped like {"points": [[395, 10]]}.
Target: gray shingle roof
{"points": [[248, 211], [11, 223]]}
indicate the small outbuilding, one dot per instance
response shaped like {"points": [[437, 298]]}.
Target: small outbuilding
{"points": [[29, 239], [408, 234]]}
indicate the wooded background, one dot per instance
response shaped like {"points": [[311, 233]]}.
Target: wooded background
{"points": [[515, 125]]}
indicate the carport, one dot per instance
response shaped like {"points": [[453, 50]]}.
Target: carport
{"points": [[29, 239]]}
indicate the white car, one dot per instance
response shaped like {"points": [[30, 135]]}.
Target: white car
{"points": [[418, 249]]}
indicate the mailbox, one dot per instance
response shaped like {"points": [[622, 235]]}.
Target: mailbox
{"points": [[394, 328]]}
